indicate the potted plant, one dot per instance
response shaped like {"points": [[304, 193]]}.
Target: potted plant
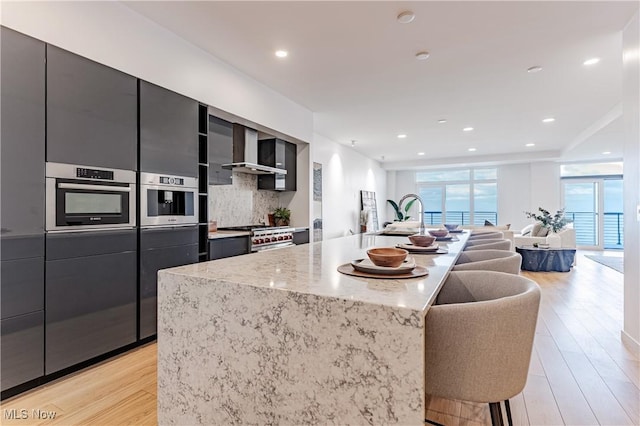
{"points": [[400, 215], [553, 223], [282, 216]]}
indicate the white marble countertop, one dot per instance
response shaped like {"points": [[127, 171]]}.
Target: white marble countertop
{"points": [[312, 269], [228, 234]]}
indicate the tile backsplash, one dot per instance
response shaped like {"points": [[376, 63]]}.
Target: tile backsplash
{"points": [[241, 203]]}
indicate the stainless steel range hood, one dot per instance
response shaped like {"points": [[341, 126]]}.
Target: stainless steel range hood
{"points": [[245, 153]]}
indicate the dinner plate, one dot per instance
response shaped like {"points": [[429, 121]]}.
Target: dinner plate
{"points": [[366, 265], [449, 238], [413, 247]]}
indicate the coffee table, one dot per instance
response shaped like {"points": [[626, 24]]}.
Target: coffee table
{"points": [[546, 259]]}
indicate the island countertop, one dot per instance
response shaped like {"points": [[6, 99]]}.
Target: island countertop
{"points": [[281, 337], [312, 269]]}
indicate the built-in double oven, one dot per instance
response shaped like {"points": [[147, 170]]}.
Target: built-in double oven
{"points": [[80, 198]]}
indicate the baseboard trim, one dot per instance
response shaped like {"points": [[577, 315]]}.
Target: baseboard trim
{"points": [[631, 343]]}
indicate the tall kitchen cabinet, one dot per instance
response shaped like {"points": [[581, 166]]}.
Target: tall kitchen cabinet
{"points": [[91, 113], [170, 135], [22, 196], [90, 277]]}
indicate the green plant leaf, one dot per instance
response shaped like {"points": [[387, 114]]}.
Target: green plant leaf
{"points": [[399, 214]]}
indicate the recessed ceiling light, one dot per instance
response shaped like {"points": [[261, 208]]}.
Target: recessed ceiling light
{"points": [[353, 143], [530, 144], [421, 56], [406, 17], [442, 121], [548, 120], [467, 129], [402, 136], [282, 53], [591, 61], [535, 68], [421, 153], [472, 149], [606, 152]]}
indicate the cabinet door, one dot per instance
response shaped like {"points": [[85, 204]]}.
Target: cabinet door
{"points": [[301, 237], [21, 286], [281, 154], [91, 112], [227, 247], [161, 249], [220, 151], [91, 293], [168, 132], [22, 349], [22, 132]]}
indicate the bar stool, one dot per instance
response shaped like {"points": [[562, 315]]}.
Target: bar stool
{"points": [[489, 260], [479, 337], [488, 244], [491, 235]]}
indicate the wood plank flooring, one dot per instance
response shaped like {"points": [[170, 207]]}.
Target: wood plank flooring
{"points": [[580, 372]]}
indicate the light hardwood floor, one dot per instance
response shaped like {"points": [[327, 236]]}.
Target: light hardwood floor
{"points": [[580, 372]]}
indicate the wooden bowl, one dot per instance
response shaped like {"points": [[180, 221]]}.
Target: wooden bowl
{"points": [[421, 240], [387, 256], [439, 232]]}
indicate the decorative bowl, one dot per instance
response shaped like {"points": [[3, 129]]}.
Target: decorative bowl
{"points": [[387, 256], [451, 227], [439, 232], [421, 240]]}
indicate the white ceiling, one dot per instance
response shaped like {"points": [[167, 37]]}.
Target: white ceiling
{"points": [[353, 65]]}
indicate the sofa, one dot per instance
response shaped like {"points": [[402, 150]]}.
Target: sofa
{"points": [[565, 238]]}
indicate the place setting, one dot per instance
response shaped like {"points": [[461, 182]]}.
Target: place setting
{"points": [[384, 262], [422, 244]]}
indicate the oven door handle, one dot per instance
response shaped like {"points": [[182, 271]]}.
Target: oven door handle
{"points": [[65, 185]]}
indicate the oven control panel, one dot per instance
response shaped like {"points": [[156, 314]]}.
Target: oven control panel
{"points": [[84, 173], [271, 238]]}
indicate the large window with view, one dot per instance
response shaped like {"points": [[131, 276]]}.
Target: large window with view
{"points": [[463, 196], [593, 200]]}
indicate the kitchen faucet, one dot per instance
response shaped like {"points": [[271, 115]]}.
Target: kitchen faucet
{"points": [[421, 207]]}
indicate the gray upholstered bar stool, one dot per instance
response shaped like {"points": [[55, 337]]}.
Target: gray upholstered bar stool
{"points": [[478, 338], [488, 244], [482, 235], [489, 260]]}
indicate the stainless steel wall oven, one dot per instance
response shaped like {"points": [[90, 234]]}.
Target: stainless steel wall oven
{"points": [[168, 200], [80, 198]]}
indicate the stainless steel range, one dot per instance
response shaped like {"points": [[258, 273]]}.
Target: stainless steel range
{"points": [[266, 238]]}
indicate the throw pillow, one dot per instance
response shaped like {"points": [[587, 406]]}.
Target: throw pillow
{"points": [[487, 223], [527, 230], [536, 228], [543, 232]]}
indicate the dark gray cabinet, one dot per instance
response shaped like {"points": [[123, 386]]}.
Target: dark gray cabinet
{"points": [[160, 249], [23, 138], [220, 151], [22, 132], [220, 248], [301, 236], [22, 350], [91, 112], [168, 132], [91, 295], [281, 154]]}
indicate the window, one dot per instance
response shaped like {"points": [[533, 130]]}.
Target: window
{"points": [[463, 196]]}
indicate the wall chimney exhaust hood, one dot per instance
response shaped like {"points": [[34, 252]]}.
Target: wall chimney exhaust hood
{"points": [[245, 153]]}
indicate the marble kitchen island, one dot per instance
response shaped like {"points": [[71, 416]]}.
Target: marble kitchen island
{"points": [[281, 337]]}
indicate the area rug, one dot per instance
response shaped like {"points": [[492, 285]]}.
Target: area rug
{"points": [[610, 261]]}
